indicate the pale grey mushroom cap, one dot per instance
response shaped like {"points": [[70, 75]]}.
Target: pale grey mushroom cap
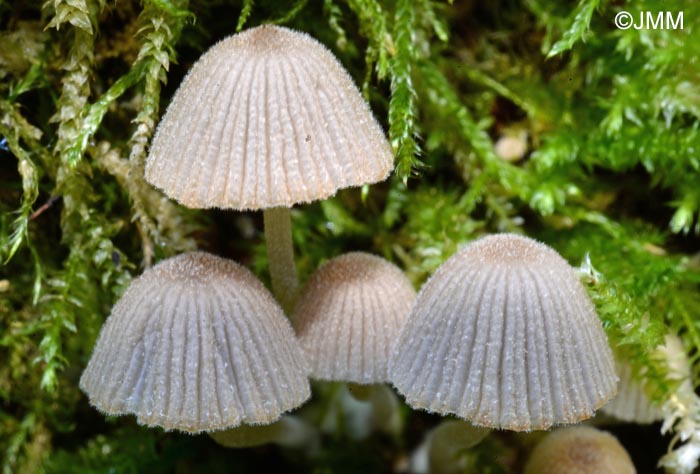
{"points": [[194, 344], [631, 403], [505, 336], [349, 316], [265, 118]]}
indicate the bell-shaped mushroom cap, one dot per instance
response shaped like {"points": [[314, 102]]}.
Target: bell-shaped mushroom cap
{"points": [[579, 450], [265, 118], [631, 403], [504, 335], [349, 316], [197, 343]]}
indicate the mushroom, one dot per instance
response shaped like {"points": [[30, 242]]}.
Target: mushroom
{"points": [[349, 315], [632, 403], [505, 336], [197, 343], [347, 319], [266, 119], [512, 145], [579, 450]]}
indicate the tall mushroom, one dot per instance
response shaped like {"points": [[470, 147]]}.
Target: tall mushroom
{"points": [[504, 335], [194, 344], [266, 119]]}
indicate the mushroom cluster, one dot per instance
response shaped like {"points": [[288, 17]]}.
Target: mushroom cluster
{"points": [[265, 119], [502, 335]]}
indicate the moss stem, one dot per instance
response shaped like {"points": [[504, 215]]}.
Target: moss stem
{"points": [[280, 255]]}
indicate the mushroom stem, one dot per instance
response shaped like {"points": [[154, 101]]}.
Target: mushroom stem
{"points": [[280, 255]]}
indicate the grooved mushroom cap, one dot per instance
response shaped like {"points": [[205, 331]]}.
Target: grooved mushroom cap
{"points": [[580, 450], [504, 335], [349, 315], [265, 118], [631, 403], [196, 343]]}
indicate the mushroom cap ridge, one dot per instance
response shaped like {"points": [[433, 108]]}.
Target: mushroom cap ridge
{"points": [[505, 336], [265, 118], [349, 316], [631, 403], [197, 343]]}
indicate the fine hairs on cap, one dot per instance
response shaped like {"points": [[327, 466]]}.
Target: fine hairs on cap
{"points": [[504, 336], [349, 316], [194, 344], [266, 118]]}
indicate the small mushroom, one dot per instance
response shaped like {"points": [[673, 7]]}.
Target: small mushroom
{"points": [[195, 344], [504, 336], [512, 145], [579, 450], [347, 319], [349, 316], [266, 119], [631, 403]]}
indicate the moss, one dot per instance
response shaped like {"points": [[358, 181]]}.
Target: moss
{"points": [[609, 120]]}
